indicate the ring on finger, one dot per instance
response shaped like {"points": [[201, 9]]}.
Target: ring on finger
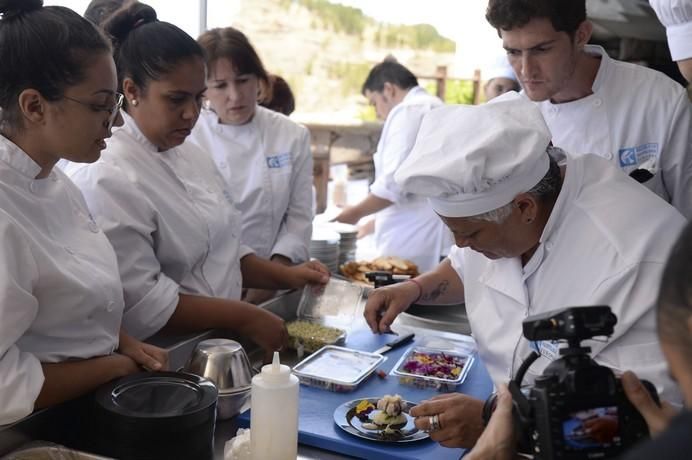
{"points": [[430, 425], [435, 423]]}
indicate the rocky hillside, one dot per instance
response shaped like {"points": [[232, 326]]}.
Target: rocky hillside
{"points": [[325, 51]]}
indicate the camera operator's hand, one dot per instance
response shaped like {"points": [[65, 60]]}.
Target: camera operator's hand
{"points": [[460, 418], [656, 417], [497, 441]]}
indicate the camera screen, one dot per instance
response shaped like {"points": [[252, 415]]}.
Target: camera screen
{"points": [[595, 428]]}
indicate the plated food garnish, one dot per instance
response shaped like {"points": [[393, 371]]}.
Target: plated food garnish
{"points": [[363, 410], [388, 416], [384, 419]]}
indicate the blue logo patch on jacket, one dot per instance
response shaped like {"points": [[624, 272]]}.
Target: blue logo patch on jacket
{"points": [[633, 156], [280, 160]]}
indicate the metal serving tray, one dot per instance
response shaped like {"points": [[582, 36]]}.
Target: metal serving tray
{"points": [[337, 369]]}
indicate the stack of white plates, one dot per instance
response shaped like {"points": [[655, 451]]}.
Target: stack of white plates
{"points": [[324, 246], [347, 243]]}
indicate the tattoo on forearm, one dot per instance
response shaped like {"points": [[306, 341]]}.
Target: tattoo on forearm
{"points": [[437, 292]]}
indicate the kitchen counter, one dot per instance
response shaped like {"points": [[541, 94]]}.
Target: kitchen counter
{"points": [[61, 424]]}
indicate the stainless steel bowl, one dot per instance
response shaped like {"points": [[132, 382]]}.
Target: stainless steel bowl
{"points": [[224, 362], [229, 404]]}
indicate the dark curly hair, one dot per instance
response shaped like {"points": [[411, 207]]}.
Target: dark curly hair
{"points": [[564, 15]]}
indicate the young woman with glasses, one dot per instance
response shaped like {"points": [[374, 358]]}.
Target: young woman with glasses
{"points": [[61, 300]]}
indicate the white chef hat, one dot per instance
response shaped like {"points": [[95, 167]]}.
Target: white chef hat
{"points": [[469, 160], [676, 15], [501, 68]]}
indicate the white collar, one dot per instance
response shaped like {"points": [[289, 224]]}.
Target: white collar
{"points": [[18, 159], [603, 68], [130, 127]]}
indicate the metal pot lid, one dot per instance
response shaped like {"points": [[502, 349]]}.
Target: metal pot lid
{"points": [[157, 395]]}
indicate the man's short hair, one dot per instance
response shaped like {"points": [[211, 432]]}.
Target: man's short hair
{"points": [[564, 15], [389, 72]]}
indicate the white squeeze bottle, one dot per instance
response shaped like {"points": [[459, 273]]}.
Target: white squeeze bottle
{"points": [[274, 413]]}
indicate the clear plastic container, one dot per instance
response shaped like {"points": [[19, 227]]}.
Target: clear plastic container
{"points": [[439, 364], [331, 306], [335, 303], [337, 369]]}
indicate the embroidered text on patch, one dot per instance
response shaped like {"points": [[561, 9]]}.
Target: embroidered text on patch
{"points": [[633, 156], [280, 160]]}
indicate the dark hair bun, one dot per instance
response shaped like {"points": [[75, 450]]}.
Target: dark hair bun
{"points": [[126, 20], [12, 8]]}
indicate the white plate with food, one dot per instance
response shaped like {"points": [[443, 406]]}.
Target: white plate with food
{"points": [[383, 419]]}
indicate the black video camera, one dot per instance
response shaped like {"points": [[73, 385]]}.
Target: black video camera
{"points": [[576, 409]]}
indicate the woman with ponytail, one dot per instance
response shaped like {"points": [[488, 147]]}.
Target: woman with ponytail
{"points": [[61, 300], [163, 204]]}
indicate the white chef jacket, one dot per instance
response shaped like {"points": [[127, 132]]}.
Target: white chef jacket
{"points": [[171, 221], [634, 116], [676, 15], [267, 165], [60, 292], [409, 228], [606, 243]]}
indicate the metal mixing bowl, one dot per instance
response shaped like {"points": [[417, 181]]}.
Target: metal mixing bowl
{"points": [[229, 404], [224, 362]]}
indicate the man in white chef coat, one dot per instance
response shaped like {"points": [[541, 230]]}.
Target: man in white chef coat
{"points": [[405, 226], [531, 237], [676, 16], [637, 118]]}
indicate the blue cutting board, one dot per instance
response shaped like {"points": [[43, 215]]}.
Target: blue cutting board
{"points": [[316, 425]]}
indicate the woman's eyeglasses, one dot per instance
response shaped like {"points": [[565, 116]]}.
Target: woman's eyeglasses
{"points": [[111, 109]]}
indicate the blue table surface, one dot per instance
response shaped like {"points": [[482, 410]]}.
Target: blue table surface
{"points": [[316, 425]]}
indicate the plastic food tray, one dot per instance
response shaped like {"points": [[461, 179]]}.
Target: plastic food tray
{"points": [[438, 383], [337, 369]]}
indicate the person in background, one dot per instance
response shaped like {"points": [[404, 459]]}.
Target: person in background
{"points": [[263, 156], [98, 11], [61, 300], [530, 237], [501, 79], [163, 204], [405, 226], [676, 16], [281, 99], [669, 427], [635, 117]]}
